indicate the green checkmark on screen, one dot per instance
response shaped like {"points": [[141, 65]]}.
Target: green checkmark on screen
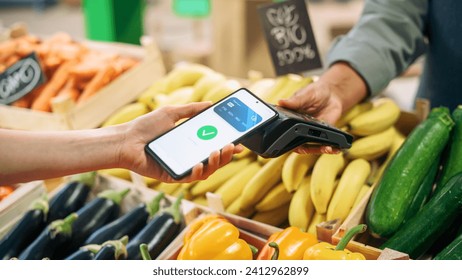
{"points": [[207, 132]]}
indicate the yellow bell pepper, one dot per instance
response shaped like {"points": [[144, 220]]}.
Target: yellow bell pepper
{"points": [[327, 251], [216, 239], [289, 244]]}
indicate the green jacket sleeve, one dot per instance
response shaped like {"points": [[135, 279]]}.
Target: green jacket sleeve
{"points": [[388, 37]]}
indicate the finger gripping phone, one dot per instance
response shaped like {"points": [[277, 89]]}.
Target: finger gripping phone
{"points": [[227, 121]]}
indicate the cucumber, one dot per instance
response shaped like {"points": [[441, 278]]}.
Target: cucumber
{"points": [[452, 163], [401, 179], [453, 251], [420, 232]]}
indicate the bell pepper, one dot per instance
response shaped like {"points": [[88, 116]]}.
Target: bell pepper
{"points": [[198, 223], [216, 239], [289, 244], [327, 251]]}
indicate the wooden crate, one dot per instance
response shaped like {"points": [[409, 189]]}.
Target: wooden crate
{"points": [[92, 113]]}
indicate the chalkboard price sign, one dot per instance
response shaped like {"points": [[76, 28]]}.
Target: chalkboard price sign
{"points": [[20, 78], [290, 37]]}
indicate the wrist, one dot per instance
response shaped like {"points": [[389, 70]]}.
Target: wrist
{"points": [[348, 85]]}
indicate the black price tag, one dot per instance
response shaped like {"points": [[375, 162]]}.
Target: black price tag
{"points": [[290, 37], [20, 79]]}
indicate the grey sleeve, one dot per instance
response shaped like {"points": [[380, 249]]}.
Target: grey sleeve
{"points": [[387, 38]]}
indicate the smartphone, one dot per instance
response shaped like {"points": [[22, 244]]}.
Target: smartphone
{"points": [[227, 121]]}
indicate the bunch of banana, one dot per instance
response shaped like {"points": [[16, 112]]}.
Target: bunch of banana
{"points": [[323, 177], [232, 188], [219, 177], [276, 197], [301, 207], [351, 181], [127, 113], [274, 217], [265, 179], [353, 112], [295, 168], [185, 74], [372, 146], [384, 114]]}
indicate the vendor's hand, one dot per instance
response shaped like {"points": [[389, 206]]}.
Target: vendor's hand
{"points": [[145, 128], [336, 91]]}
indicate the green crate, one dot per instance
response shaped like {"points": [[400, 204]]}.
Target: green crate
{"points": [[191, 8], [114, 20]]}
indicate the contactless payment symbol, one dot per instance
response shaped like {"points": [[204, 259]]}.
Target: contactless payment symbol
{"points": [[207, 132]]}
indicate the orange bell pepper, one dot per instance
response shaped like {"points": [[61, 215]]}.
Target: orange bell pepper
{"points": [[289, 244], [215, 239], [326, 251]]}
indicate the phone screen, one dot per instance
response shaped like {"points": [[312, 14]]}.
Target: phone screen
{"points": [[191, 142]]}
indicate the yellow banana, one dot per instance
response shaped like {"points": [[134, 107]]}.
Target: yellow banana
{"points": [[279, 85], [263, 160], [184, 189], [117, 172], [179, 96], [232, 188], [127, 113], [294, 85], [362, 192], [205, 84], [352, 179], [201, 200], [301, 208], [245, 153], [268, 176], [316, 220], [147, 97], [323, 176], [383, 115], [150, 182], [235, 209], [262, 87], [167, 188], [274, 217], [295, 168], [373, 146], [221, 90], [183, 75], [355, 111], [275, 198], [219, 177]]}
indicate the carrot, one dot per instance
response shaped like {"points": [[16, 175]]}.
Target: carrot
{"points": [[12, 60], [102, 78], [70, 90], [43, 102]]}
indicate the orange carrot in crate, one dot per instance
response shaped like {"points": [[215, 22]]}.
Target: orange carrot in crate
{"points": [[102, 78], [43, 102], [70, 90]]}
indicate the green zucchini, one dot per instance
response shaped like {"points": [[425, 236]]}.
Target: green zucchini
{"points": [[423, 192], [417, 235], [402, 177], [452, 252], [452, 163]]}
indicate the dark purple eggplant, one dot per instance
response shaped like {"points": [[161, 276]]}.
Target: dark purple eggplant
{"points": [[100, 211], [129, 224], [158, 233], [52, 237], [25, 230], [86, 252], [113, 250], [72, 196]]}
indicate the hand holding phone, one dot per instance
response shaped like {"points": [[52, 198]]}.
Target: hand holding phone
{"points": [[227, 121]]}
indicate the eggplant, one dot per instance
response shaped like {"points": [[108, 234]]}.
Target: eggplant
{"points": [[100, 211], [129, 224], [158, 232], [51, 238], [30, 225], [86, 252], [72, 196], [113, 250]]}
